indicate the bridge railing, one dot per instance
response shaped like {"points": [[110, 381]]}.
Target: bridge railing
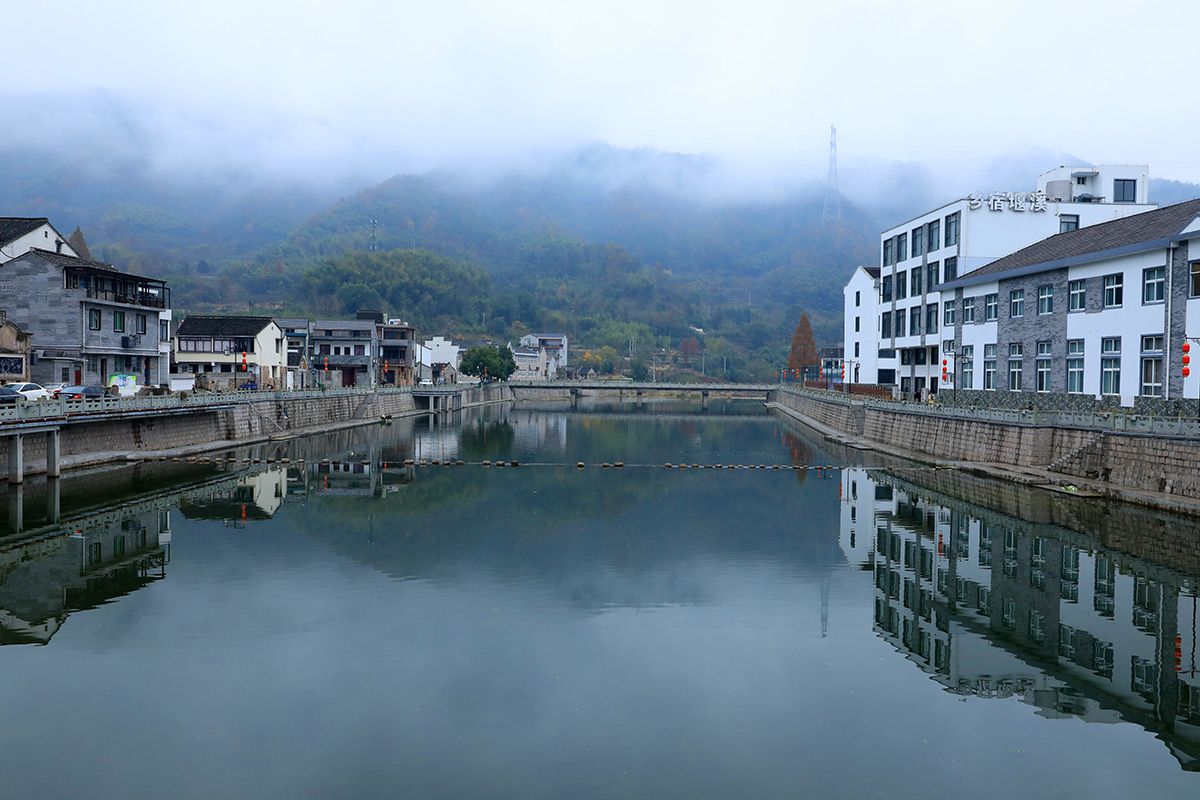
{"points": [[29, 411]]}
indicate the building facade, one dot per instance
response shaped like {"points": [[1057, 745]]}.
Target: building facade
{"points": [[232, 351], [14, 351], [1101, 311], [554, 343], [89, 322], [860, 342], [920, 255], [19, 235], [345, 352]]}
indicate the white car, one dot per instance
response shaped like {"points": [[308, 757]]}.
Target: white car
{"points": [[30, 391]]}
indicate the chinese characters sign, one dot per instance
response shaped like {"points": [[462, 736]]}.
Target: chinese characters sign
{"points": [[1008, 201]]}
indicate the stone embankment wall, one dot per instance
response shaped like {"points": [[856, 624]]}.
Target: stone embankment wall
{"points": [[1142, 462], [240, 422]]}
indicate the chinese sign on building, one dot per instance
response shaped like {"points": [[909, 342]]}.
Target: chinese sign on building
{"points": [[1008, 201]]}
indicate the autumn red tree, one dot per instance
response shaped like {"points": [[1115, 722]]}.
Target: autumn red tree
{"points": [[804, 346], [689, 348]]}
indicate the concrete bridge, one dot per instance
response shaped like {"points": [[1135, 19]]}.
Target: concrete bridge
{"points": [[573, 390]]}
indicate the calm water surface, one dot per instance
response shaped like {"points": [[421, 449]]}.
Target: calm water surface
{"points": [[355, 628]]}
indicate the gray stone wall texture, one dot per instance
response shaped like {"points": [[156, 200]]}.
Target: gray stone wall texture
{"points": [[1031, 328]]}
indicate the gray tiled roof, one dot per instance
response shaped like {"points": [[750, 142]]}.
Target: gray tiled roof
{"points": [[872, 271], [12, 228], [64, 260], [205, 325], [1149, 228], [344, 325]]}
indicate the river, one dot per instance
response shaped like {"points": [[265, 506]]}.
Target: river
{"points": [[344, 625]]}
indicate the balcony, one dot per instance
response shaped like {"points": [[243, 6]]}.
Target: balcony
{"points": [[147, 299]]}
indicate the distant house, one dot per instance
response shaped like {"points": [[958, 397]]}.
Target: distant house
{"points": [[554, 343], [14, 352], [397, 352], [533, 364], [19, 235], [218, 346], [345, 352], [89, 322], [296, 331]]}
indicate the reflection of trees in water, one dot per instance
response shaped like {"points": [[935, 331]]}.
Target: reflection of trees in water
{"points": [[485, 439], [799, 452]]}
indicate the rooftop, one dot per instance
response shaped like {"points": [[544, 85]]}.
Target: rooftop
{"points": [[204, 325], [1131, 234], [64, 260], [343, 325], [13, 228]]}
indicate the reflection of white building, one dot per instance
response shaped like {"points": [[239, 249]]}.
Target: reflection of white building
{"points": [[249, 497], [993, 606], [541, 432]]}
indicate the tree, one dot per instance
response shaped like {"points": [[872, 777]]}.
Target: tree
{"points": [[689, 348], [78, 244], [491, 362], [804, 346]]}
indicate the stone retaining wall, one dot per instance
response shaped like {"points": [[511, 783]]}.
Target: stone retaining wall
{"points": [[1142, 462], [237, 422]]}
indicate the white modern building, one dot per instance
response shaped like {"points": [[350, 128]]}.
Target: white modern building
{"points": [[1102, 310], [860, 325], [555, 345], [953, 240]]}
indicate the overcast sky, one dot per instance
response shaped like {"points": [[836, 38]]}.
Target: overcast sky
{"points": [[422, 83]]}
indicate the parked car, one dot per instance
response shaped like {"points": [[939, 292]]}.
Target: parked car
{"points": [[54, 388], [84, 393], [30, 391], [9, 396]]}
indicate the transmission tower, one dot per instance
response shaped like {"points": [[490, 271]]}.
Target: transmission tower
{"points": [[833, 198], [374, 240]]}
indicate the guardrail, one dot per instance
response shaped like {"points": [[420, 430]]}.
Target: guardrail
{"points": [[645, 386], [1106, 421], [35, 410]]}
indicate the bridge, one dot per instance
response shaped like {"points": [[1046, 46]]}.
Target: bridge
{"points": [[638, 389]]}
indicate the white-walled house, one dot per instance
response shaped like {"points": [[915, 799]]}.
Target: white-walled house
{"points": [[218, 345], [860, 341], [1102, 310], [960, 237], [19, 235], [444, 351], [555, 345]]}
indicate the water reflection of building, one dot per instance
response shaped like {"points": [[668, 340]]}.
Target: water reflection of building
{"points": [[540, 432], [46, 578], [994, 606], [247, 498]]}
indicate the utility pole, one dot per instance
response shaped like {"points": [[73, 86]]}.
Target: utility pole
{"points": [[374, 240]]}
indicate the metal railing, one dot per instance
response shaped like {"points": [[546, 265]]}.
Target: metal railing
{"points": [[1123, 421], [30, 411]]}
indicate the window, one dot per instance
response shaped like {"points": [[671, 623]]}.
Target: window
{"points": [[1016, 303], [1153, 282], [885, 290], [1016, 352], [1124, 190], [119, 321], [991, 307], [916, 281], [1075, 366], [856, 349], [1045, 299], [93, 319], [901, 247], [1078, 295], [901, 285], [948, 313], [931, 318], [952, 229], [918, 241], [857, 323], [1152, 366], [935, 235], [901, 323], [931, 275], [164, 331], [968, 310], [1114, 290], [888, 253], [914, 321], [1195, 282], [989, 366], [967, 357], [1110, 365], [885, 325], [1068, 222], [950, 270], [139, 323], [857, 301], [1043, 366]]}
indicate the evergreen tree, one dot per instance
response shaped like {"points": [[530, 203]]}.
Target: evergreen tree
{"points": [[804, 346], [78, 244]]}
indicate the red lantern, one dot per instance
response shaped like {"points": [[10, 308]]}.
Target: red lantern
{"points": [[1187, 347], [244, 367], [1186, 372], [1187, 359]]}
